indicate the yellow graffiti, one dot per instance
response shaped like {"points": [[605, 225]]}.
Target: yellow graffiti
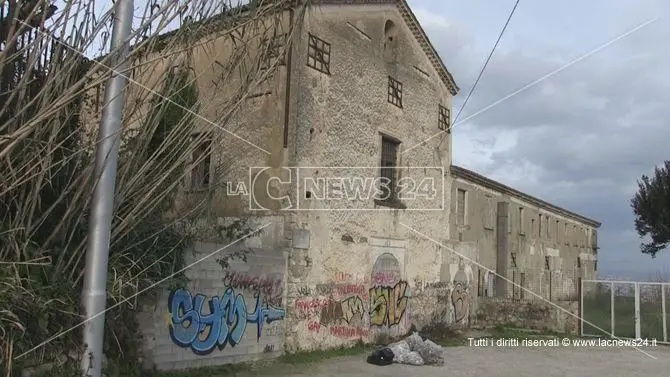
{"points": [[388, 304], [352, 307]]}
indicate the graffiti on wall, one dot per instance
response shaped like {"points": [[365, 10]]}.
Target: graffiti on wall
{"points": [[460, 295], [388, 304], [337, 309], [225, 323], [349, 311], [271, 289], [388, 294]]}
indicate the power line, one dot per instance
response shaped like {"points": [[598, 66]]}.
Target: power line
{"points": [[486, 62]]}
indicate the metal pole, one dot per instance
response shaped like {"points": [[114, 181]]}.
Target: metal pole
{"points": [[612, 319], [94, 295]]}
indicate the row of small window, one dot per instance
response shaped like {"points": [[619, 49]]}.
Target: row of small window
{"points": [[461, 219], [547, 262], [201, 158], [578, 234], [486, 281], [318, 58]]}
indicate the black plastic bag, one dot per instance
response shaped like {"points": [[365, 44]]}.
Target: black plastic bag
{"points": [[381, 357]]}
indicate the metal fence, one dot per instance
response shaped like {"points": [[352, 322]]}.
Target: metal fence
{"points": [[625, 309]]}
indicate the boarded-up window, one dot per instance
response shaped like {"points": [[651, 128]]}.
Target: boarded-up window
{"points": [[460, 206], [521, 222], [202, 154], [481, 284], [490, 284], [489, 213], [539, 225], [548, 228]]}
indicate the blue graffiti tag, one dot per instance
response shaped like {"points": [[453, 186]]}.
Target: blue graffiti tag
{"points": [[226, 322]]}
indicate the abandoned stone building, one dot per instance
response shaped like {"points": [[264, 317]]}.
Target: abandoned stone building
{"points": [[360, 86]]}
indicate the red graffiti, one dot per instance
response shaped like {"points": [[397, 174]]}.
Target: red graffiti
{"points": [[384, 278], [349, 332], [351, 289], [314, 326], [342, 276], [309, 306]]}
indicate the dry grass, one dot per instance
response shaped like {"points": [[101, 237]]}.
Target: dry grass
{"points": [[47, 158]]}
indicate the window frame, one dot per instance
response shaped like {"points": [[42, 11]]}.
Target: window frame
{"points": [[444, 119], [394, 92], [205, 164], [318, 54]]}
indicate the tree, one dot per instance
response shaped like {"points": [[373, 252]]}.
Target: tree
{"points": [[651, 205]]}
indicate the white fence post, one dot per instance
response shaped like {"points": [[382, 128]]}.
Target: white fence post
{"points": [[581, 308], [638, 329], [612, 309], [665, 314]]}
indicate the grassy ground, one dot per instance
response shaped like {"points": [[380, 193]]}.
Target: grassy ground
{"points": [[598, 311]]}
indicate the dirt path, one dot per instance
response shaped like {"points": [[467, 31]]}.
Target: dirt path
{"points": [[499, 361]]}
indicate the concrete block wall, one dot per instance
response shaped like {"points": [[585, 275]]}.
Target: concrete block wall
{"points": [[240, 310]]}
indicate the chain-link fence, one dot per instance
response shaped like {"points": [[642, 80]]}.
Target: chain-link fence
{"points": [[626, 309]]}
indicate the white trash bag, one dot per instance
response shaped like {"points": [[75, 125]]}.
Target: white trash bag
{"points": [[410, 358]]}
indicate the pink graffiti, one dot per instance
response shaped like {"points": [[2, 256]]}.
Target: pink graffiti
{"points": [[351, 289], [384, 278], [311, 306]]}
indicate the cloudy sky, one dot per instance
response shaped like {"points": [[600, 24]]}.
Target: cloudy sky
{"points": [[580, 138]]}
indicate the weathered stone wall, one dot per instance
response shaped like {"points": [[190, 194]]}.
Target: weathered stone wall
{"points": [[560, 316], [222, 316], [362, 256]]}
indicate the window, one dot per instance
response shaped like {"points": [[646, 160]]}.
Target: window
{"points": [[460, 206], [566, 234], [521, 230], [558, 232], [490, 284], [200, 175], [480, 283], [547, 263], [98, 92], [522, 284], [532, 226], [444, 119], [539, 229], [548, 227], [513, 260], [579, 262], [318, 54], [595, 266], [395, 92], [388, 168]]}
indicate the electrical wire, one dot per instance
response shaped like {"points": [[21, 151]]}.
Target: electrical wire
{"points": [[481, 72]]}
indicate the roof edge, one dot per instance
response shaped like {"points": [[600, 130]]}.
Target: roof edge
{"points": [[470, 175], [416, 29]]}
